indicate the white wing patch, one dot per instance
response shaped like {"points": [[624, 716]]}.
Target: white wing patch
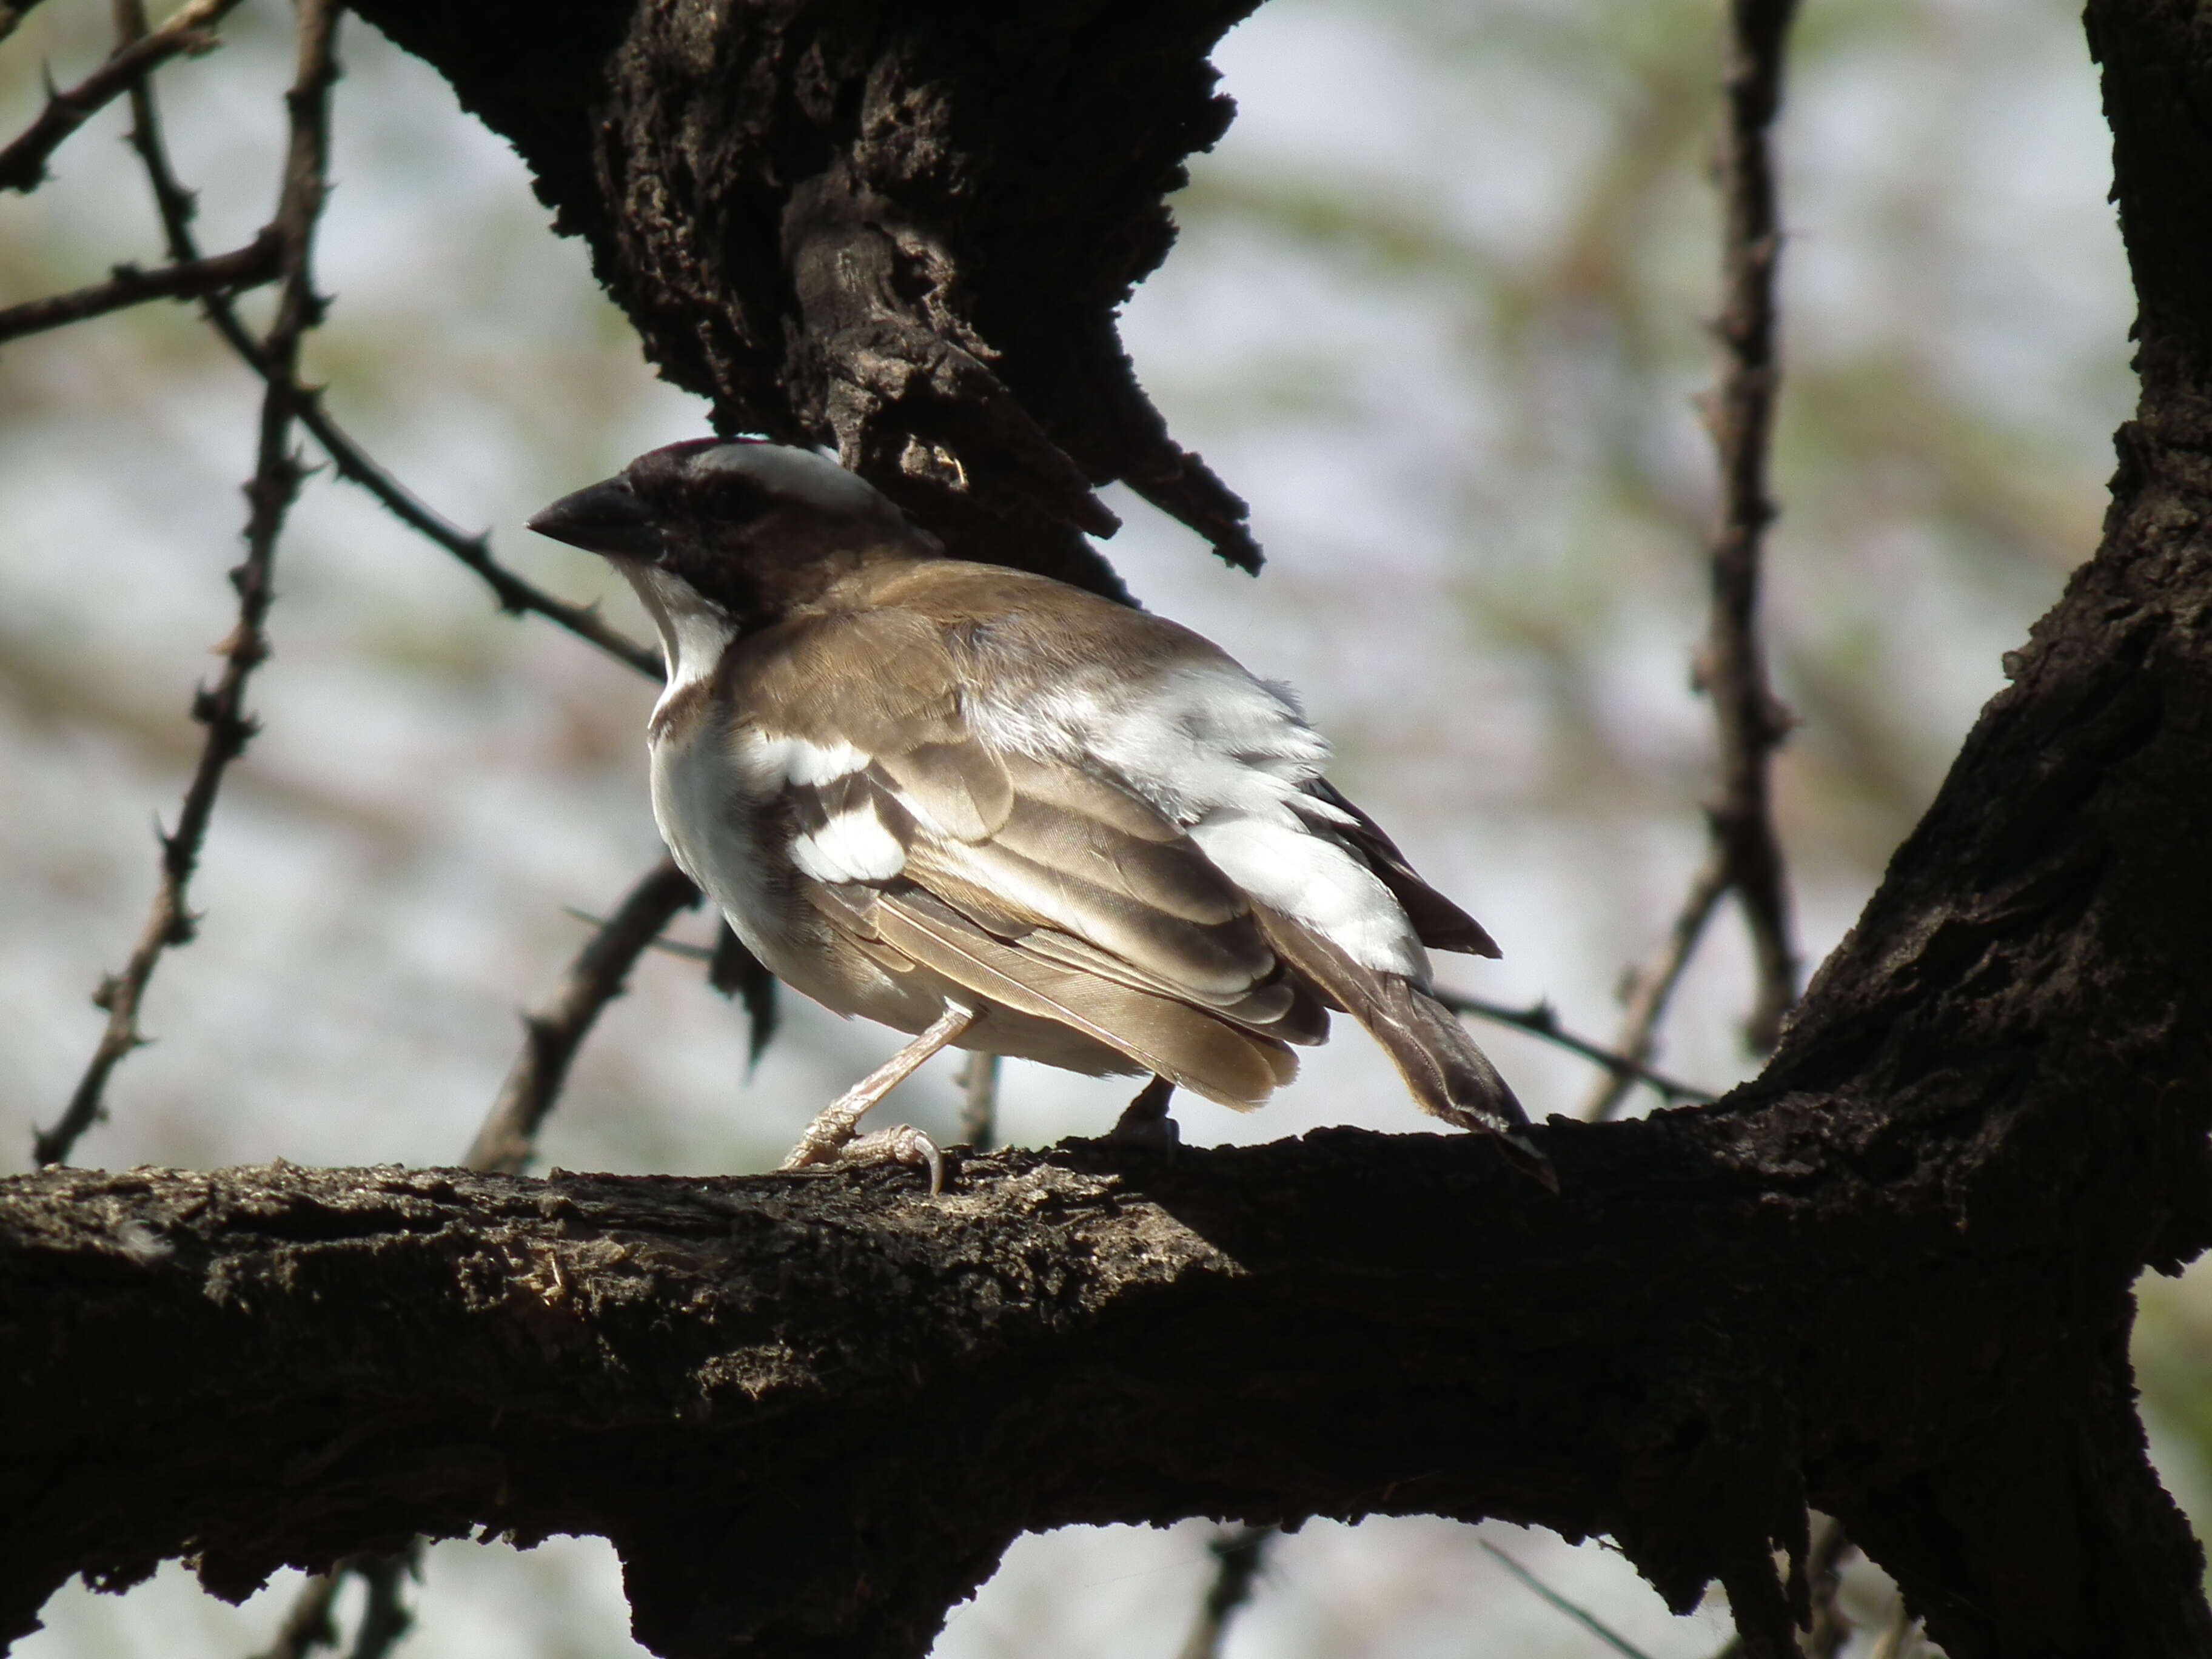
{"points": [[1226, 756], [852, 845], [808, 763]]}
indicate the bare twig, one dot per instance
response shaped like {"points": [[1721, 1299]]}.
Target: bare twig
{"points": [[190, 29], [552, 1036], [308, 1625], [385, 1615], [513, 594], [979, 1101], [1731, 669], [246, 267], [1651, 986], [1588, 1620], [1543, 1021], [276, 481], [732, 969], [1237, 1556]]}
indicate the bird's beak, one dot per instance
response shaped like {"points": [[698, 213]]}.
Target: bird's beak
{"points": [[605, 518]]}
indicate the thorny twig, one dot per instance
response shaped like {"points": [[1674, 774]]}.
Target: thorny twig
{"points": [[23, 161], [552, 1036], [269, 494], [514, 595], [1542, 1021], [1237, 1556], [220, 273], [1731, 668]]}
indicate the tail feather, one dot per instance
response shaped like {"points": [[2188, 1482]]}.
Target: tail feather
{"points": [[1448, 1076]]}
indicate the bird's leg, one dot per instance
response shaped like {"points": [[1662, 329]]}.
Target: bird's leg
{"points": [[829, 1139], [1145, 1121]]}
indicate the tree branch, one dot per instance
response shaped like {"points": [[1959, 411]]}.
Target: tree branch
{"points": [[1652, 987], [514, 594], [911, 241], [1746, 852], [269, 496], [1238, 1558], [222, 273], [979, 1101], [1891, 1277], [552, 1036], [189, 30], [1543, 1021], [1733, 668]]}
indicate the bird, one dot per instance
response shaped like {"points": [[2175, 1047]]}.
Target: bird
{"points": [[1003, 813]]}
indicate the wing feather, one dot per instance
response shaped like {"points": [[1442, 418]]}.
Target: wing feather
{"points": [[1188, 1047], [1440, 924]]}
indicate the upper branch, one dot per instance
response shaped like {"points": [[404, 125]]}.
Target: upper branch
{"points": [[552, 1036], [24, 160], [350, 462], [220, 273], [867, 227]]}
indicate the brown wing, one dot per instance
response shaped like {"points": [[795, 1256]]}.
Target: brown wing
{"points": [[1035, 883]]}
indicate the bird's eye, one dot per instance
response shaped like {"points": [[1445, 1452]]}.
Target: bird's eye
{"points": [[736, 500]]}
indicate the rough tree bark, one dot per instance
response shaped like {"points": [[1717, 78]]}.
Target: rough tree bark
{"points": [[1892, 1276]]}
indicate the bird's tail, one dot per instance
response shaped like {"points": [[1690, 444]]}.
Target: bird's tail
{"points": [[1448, 1076]]}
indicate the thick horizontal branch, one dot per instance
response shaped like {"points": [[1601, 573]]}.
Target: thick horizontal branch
{"points": [[259, 261], [811, 1411]]}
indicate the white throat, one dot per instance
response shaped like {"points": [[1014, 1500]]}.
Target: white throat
{"points": [[693, 634]]}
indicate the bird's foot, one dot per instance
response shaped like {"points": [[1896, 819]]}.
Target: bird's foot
{"points": [[1144, 1123], [901, 1144]]}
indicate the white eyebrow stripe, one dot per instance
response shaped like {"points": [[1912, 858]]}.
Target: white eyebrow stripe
{"points": [[852, 845]]}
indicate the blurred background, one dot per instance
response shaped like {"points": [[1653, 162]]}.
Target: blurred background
{"points": [[1437, 312]]}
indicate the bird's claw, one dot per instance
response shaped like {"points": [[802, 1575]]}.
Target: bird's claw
{"points": [[901, 1144]]}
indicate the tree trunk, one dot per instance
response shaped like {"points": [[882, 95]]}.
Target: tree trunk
{"points": [[1891, 1276]]}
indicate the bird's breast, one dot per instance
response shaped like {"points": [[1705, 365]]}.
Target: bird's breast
{"points": [[722, 824]]}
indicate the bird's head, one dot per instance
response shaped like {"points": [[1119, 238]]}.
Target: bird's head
{"points": [[746, 528]]}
